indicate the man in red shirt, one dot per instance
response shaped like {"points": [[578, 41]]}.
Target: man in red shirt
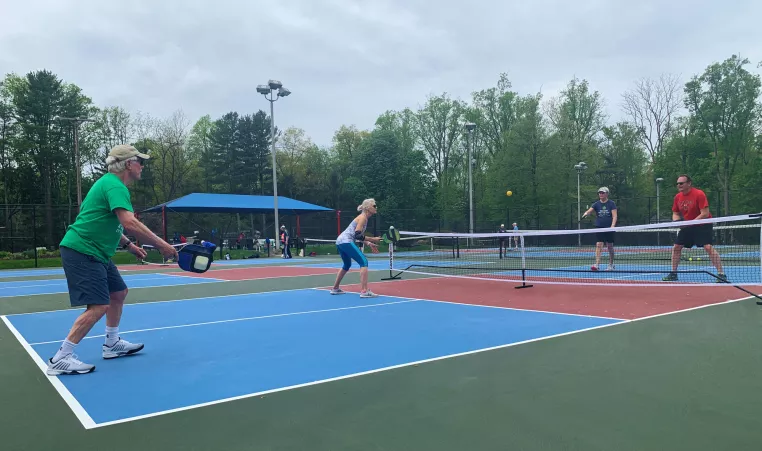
{"points": [[691, 203]]}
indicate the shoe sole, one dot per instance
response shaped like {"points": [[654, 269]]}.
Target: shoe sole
{"points": [[114, 355], [68, 373]]}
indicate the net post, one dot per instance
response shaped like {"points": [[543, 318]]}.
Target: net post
{"points": [[523, 266], [391, 263]]}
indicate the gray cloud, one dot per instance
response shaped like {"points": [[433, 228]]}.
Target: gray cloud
{"points": [[348, 61]]}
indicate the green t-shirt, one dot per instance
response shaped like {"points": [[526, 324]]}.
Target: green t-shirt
{"points": [[97, 230]]}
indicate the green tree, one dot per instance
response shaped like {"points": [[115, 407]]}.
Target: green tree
{"points": [[38, 100], [200, 148], [724, 102]]}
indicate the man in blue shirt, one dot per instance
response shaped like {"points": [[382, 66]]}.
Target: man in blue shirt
{"points": [[605, 217]]}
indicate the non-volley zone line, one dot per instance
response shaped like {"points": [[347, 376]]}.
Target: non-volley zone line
{"points": [[292, 339]]}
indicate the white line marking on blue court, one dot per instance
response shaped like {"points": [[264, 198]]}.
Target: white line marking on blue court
{"points": [[166, 302], [7, 288], [490, 306], [234, 320]]}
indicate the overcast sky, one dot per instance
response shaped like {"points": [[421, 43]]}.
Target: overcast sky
{"points": [[348, 61]]}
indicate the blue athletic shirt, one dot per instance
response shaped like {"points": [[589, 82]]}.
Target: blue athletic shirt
{"points": [[603, 211]]}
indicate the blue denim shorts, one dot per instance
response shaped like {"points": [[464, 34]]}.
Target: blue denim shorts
{"points": [[90, 281]]}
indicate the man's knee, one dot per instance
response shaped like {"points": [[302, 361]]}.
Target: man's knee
{"points": [[119, 296], [97, 310]]}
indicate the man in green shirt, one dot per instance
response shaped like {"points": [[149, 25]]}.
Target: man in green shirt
{"points": [[86, 250]]}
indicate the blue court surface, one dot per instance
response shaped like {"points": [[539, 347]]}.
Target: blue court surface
{"points": [[31, 273], [145, 280], [210, 350]]}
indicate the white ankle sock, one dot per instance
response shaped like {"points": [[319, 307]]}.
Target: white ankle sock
{"points": [[112, 335], [66, 348]]}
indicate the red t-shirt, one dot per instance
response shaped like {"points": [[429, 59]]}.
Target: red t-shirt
{"points": [[690, 205]]}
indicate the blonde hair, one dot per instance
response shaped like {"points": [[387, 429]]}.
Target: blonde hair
{"points": [[366, 204], [115, 166]]}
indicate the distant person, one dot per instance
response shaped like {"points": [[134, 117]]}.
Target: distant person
{"points": [[515, 238], [86, 250], [284, 240], [347, 247], [605, 217], [691, 203], [502, 229]]}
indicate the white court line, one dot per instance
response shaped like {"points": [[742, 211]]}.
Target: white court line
{"points": [[70, 400], [205, 280], [579, 315], [136, 304], [59, 281], [392, 367], [233, 320], [285, 276], [274, 265]]}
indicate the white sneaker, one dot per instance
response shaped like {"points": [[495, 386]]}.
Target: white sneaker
{"points": [[337, 291], [68, 364], [368, 294], [121, 348]]}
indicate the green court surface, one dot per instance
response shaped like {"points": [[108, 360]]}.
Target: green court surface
{"points": [[686, 379]]}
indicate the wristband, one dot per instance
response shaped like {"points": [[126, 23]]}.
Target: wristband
{"points": [[127, 245]]}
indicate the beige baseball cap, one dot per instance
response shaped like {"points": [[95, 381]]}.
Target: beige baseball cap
{"points": [[124, 152]]}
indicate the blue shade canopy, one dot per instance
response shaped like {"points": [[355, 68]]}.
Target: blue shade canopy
{"points": [[236, 203]]}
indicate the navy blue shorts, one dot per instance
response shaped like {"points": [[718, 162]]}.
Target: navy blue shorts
{"points": [[90, 281]]}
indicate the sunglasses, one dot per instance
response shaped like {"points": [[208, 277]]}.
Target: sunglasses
{"points": [[681, 183], [140, 161], [601, 192]]}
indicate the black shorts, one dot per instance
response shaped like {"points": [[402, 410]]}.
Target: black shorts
{"points": [[699, 235], [89, 280], [604, 237]]}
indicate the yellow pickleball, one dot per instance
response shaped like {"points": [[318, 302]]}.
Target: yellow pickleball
{"points": [[509, 193]]}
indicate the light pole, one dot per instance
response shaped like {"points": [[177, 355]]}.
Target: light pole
{"points": [[76, 121], [470, 126], [658, 190], [265, 90], [580, 167]]}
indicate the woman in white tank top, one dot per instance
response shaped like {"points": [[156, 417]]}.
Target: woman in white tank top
{"points": [[348, 250]]}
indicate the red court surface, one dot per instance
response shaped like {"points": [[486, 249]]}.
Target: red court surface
{"points": [[262, 272], [620, 302]]}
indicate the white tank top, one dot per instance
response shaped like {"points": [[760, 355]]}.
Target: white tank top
{"points": [[348, 235]]}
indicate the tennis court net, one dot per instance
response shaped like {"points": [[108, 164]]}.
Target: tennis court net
{"points": [[639, 255]]}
